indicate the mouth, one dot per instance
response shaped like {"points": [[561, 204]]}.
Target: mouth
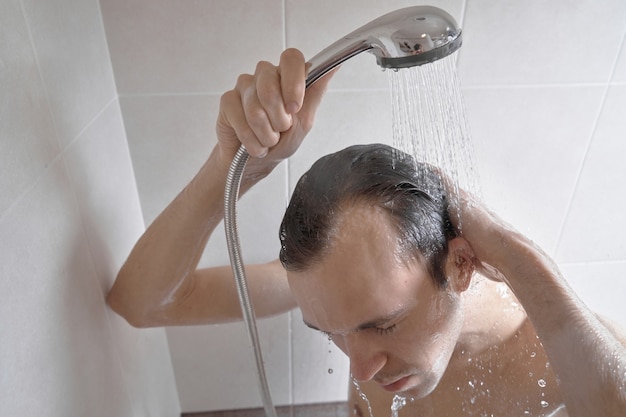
{"points": [[398, 385]]}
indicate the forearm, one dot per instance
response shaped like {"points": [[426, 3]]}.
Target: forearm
{"points": [[588, 359], [160, 269]]}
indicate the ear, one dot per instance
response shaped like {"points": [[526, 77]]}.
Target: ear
{"points": [[459, 266]]}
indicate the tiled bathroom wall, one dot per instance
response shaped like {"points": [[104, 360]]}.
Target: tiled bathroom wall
{"points": [[545, 90], [69, 214]]}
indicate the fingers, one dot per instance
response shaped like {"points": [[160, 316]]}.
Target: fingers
{"points": [[313, 99], [269, 97], [262, 108], [292, 69]]}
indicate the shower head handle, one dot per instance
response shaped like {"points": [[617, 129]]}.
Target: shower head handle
{"points": [[403, 38]]}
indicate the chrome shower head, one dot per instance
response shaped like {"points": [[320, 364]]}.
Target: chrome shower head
{"points": [[403, 38]]}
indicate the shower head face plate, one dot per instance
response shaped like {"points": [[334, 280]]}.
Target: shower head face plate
{"points": [[403, 38], [414, 36]]}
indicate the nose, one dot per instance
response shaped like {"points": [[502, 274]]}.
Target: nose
{"points": [[365, 359]]}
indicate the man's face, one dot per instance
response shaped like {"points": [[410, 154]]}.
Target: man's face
{"points": [[387, 315]]}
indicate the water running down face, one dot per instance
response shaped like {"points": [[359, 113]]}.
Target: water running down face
{"points": [[383, 310]]}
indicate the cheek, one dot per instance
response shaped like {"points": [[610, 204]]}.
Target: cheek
{"points": [[446, 322], [445, 315], [432, 334]]}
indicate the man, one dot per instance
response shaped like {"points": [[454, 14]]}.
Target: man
{"points": [[409, 310]]}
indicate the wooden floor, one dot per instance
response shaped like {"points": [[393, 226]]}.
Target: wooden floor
{"points": [[312, 410]]}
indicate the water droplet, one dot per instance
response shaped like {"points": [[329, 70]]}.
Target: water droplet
{"points": [[330, 370], [544, 404], [542, 383], [533, 354], [397, 403]]}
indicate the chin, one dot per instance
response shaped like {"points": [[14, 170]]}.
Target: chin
{"points": [[420, 390]]}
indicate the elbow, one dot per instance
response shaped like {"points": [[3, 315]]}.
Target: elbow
{"points": [[128, 310]]}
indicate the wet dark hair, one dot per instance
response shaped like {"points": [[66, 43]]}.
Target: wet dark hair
{"points": [[411, 193]]}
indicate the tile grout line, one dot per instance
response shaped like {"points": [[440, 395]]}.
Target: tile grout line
{"points": [[381, 89], [89, 124], [590, 143], [580, 170], [40, 73], [52, 162], [536, 85]]}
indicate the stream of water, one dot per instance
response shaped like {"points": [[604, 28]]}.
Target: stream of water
{"points": [[430, 122]]}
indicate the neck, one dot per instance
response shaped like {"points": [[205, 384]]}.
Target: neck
{"points": [[492, 316]]}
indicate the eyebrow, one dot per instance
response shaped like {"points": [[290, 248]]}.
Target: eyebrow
{"points": [[368, 324]]}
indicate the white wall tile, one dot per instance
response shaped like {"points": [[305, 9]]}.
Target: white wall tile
{"points": [[147, 369], [27, 136], [619, 75], [321, 371], [196, 46], [541, 42], [530, 144], [169, 137], [102, 174], [215, 368], [313, 25], [344, 118], [62, 347], [52, 318], [72, 53], [593, 230]]}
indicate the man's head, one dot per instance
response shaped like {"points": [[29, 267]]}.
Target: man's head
{"points": [[411, 193], [373, 261]]}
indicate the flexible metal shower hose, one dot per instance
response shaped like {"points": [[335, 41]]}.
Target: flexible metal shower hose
{"points": [[231, 195]]}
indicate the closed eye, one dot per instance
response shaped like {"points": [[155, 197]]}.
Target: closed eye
{"points": [[385, 330]]}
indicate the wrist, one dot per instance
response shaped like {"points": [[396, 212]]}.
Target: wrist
{"points": [[256, 169]]}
